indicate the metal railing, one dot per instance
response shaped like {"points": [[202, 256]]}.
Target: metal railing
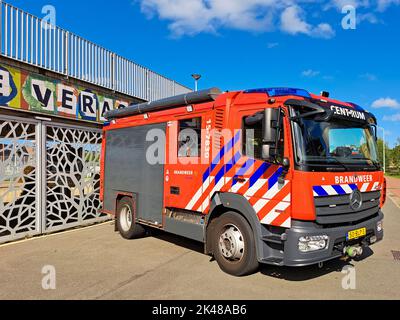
{"points": [[31, 40]]}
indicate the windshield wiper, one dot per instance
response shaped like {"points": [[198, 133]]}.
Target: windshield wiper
{"points": [[326, 160], [376, 164]]}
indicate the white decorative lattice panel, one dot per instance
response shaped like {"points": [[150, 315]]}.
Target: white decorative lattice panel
{"points": [[72, 177], [18, 180]]}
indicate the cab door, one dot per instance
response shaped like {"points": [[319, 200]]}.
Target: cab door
{"points": [[186, 160], [264, 184]]}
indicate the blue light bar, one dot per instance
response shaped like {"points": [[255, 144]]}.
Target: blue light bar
{"points": [[279, 92]]}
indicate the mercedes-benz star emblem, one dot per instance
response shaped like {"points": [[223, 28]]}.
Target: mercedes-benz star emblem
{"points": [[356, 200]]}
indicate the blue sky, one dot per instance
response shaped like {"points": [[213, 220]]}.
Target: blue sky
{"points": [[242, 44]]}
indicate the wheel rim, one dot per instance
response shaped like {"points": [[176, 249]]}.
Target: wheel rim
{"points": [[231, 243], [126, 218]]}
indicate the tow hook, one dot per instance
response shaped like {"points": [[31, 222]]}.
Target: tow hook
{"points": [[353, 251]]}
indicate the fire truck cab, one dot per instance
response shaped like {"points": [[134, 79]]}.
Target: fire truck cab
{"points": [[275, 176]]}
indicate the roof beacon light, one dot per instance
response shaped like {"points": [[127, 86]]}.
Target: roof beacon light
{"points": [[280, 92], [325, 94]]}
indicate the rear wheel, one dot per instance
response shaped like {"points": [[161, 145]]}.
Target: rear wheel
{"points": [[233, 245], [126, 224]]}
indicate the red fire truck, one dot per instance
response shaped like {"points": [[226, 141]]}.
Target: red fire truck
{"points": [[274, 176]]}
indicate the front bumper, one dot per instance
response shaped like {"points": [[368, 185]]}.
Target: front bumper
{"points": [[337, 240]]}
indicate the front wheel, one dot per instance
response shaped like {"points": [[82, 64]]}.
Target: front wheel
{"points": [[126, 224], [233, 245]]}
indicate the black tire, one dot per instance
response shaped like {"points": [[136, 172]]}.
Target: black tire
{"points": [[248, 263], [132, 230]]}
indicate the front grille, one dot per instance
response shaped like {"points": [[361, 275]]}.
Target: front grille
{"points": [[337, 210]]}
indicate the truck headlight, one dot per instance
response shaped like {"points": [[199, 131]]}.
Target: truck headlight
{"points": [[313, 243], [379, 226]]}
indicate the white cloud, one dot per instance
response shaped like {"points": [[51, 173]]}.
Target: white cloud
{"points": [[339, 4], [382, 5], [190, 17], [272, 45], [369, 76], [386, 103], [310, 73], [292, 22], [368, 17], [394, 117]]}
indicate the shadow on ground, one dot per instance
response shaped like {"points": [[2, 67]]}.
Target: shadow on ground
{"points": [[285, 273]]}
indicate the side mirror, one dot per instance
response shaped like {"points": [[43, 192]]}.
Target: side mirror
{"points": [[271, 126]]}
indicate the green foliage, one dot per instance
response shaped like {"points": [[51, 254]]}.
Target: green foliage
{"points": [[392, 157]]}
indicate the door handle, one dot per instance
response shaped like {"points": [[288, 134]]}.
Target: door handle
{"points": [[240, 179]]}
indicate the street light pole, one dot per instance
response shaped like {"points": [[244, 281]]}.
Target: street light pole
{"points": [[384, 148], [384, 151], [196, 78]]}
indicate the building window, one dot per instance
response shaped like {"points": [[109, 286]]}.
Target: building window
{"points": [[189, 138]]}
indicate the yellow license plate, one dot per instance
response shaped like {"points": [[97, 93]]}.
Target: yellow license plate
{"points": [[355, 234]]}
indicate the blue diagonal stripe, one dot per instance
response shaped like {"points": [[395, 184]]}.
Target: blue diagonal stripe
{"points": [[320, 191], [273, 180], [232, 163], [260, 171], [242, 171], [339, 190], [226, 168], [353, 186], [228, 147]]}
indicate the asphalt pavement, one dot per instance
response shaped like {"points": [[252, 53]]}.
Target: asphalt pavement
{"points": [[96, 263]]}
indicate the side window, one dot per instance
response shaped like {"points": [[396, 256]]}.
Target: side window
{"points": [[189, 138], [252, 139]]}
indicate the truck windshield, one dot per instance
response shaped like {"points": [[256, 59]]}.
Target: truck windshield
{"points": [[338, 144]]}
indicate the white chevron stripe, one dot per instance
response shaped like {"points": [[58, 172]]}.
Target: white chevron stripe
{"points": [[237, 186], [260, 204], [364, 187], [274, 190], [281, 206], [330, 190], [257, 186], [199, 193], [346, 188], [287, 223], [375, 186], [216, 188], [267, 197]]}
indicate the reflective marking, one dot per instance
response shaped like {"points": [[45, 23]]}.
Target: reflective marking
{"points": [[287, 223], [330, 190], [216, 188], [237, 186], [347, 188], [364, 187], [199, 193], [320, 191], [267, 197], [281, 206], [257, 186]]}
